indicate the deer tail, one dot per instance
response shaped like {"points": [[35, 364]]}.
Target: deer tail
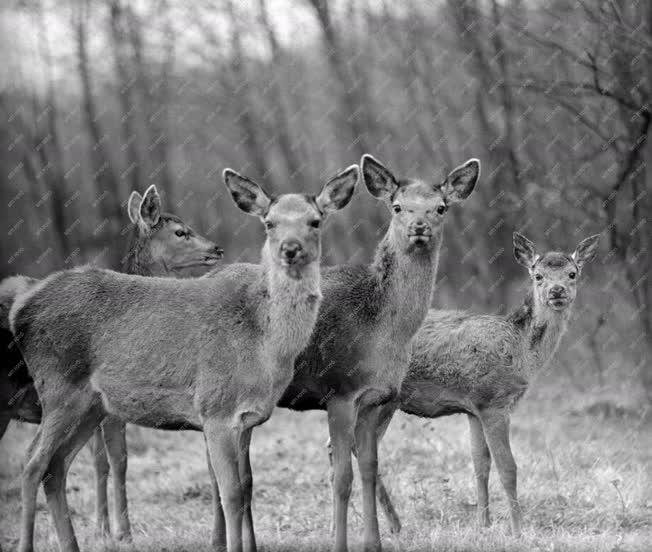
{"points": [[10, 288]]}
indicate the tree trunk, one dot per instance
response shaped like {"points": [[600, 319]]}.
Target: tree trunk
{"points": [[123, 71]]}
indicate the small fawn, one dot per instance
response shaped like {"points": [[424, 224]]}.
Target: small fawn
{"points": [[481, 365]]}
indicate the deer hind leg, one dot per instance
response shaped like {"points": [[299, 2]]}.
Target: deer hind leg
{"points": [[218, 539], [223, 443], [482, 466], [54, 481], [496, 430], [115, 440], [341, 421], [101, 465], [54, 432]]}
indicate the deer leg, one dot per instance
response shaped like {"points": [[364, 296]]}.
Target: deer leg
{"points": [[341, 421], [366, 446], [54, 482], [115, 440], [482, 466], [223, 444], [57, 427], [246, 479], [383, 495], [101, 464], [218, 538], [496, 430]]}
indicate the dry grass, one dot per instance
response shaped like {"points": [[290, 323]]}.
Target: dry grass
{"points": [[584, 484]]}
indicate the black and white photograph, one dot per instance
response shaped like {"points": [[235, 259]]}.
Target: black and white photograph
{"points": [[325, 276]]}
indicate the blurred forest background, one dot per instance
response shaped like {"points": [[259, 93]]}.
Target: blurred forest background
{"points": [[101, 97]]}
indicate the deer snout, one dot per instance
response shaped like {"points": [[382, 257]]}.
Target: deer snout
{"points": [[217, 251], [557, 292], [420, 228], [291, 250]]}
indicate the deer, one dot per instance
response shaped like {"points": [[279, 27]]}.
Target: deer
{"points": [[481, 365], [211, 354], [358, 355], [158, 244]]}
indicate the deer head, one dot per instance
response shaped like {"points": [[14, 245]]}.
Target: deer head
{"points": [[168, 242], [418, 207], [293, 222], [554, 274]]}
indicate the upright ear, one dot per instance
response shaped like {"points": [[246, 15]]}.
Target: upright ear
{"points": [[338, 191], [379, 180], [586, 250], [150, 207], [248, 195], [460, 182], [133, 206], [524, 251]]}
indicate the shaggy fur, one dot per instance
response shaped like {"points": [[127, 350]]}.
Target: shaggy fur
{"points": [[481, 365]]}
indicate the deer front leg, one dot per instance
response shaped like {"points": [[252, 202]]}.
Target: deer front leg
{"points": [[482, 466], [383, 495], [366, 446], [218, 538], [496, 430], [101, 465], [115, 440], [246, 478], [341, 419], [223, 444]]}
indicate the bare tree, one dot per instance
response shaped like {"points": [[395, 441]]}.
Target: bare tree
{"points": [[125, 78], [104, 177]]}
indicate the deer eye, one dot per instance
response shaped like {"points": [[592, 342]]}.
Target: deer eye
{"points": [[396, 208], [538, 277], [269, 224], [441, 209], [572, 275], [180, 233], [315, 223]]}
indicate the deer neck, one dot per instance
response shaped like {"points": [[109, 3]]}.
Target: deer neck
{"points": [[542, 329], [291, 306], [405, 283], [138, 260]]}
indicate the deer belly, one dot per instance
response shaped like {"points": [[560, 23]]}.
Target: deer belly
{"points": [[148, 405]]}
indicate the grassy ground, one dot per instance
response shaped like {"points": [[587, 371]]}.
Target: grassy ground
{"points": [[584, 482]]}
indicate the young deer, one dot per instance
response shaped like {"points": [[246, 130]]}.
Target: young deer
{"points": [[358, 355], [212, 354], [160, 244], [481, 365]]}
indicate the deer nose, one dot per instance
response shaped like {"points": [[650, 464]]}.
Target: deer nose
{"points": [[557, 291], [420, 227], [290, 249], [218, 251]]}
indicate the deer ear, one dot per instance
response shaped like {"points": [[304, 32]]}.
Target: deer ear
{"points": [[461, 181], [524, 251], [379, 180], [248, 195], [150, 207], [338, 191], [586, 250], [133, 207]]}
